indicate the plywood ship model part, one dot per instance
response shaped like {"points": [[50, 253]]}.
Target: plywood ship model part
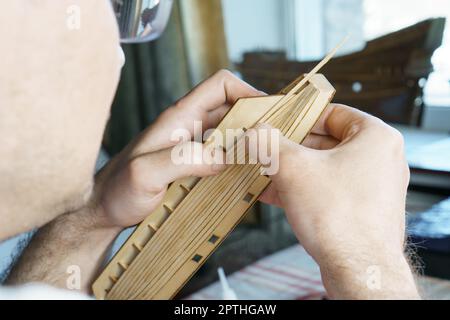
{"points": [[196, 215]]}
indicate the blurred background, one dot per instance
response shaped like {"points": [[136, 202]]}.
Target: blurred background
{"points": [[396, 65], [204, 37]]}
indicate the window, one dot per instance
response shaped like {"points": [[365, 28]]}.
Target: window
{"points": [[384, 16], [308, 29]]}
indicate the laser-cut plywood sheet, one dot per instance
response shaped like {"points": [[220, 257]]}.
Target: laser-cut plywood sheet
{"points": [[196, 215]]}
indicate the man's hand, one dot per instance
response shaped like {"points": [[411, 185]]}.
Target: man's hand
{"points": [[133, 184], [344, 192], [127, 189]]}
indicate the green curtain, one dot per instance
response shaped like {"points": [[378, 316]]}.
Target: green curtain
{"points": [[155, 75]]}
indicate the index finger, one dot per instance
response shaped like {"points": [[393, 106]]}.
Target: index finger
{"points": [[208, 103], [222, 88]]}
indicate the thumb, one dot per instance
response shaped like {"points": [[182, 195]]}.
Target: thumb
{"points": [[275, 152], [287, 161]]}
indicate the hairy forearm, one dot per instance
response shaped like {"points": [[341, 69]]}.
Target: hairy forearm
{"points": [[65, 253], [375, 278]]}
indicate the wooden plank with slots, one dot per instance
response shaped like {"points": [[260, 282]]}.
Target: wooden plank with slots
{"points": [[196, 215]]}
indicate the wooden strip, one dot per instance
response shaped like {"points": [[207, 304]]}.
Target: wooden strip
{"points": [[201, 238], [286, 126], [253, 179], [223, 188], [154, 255], [286, 118], [304, 80]]}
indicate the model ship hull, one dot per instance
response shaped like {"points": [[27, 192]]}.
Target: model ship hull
{"points": [[196, 215]]}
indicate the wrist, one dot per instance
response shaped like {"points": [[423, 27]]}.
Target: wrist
{"points": [[91, 220], [369, 276], [72, 239]]}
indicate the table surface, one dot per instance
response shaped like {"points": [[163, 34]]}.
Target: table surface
{"points": [[291, 274], [426, 150]]}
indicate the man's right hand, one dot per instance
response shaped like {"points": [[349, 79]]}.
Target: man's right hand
{"points": [[344, 192]]}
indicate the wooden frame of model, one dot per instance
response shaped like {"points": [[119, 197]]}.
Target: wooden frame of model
{"points": [[196, 215]]}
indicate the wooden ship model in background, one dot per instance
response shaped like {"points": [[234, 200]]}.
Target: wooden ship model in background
{"points": [[384, 79]]}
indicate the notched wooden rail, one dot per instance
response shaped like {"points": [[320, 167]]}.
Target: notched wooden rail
{"points": [[196, 214]]}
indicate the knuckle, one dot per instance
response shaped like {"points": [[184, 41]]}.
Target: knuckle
{"points": [[394, 140], [137, 171], [178, 105], [134, 171], [396, 137], [387, 136], [224, 73], [353, 128]]}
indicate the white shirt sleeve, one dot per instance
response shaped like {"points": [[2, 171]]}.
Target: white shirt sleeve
{"points": [[36, 291]]}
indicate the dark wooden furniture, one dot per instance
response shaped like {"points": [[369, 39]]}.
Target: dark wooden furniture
{"points": [[430, 233], [428, 154], [385, 78]]}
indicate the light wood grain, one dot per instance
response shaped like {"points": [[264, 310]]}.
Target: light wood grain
{"points": [[196, 215]]}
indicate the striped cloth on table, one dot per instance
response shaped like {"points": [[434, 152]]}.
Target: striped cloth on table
{"points": [[289, 274]]}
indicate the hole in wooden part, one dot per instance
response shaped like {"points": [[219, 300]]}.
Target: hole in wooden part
{"points": [[138, 247], [244, 129], [153, 228], [123, 265], [168, 208], [185, 188], [249, 197], [144, 238], [197, 258], [213, 239], [114, 279], [117, 271]]}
